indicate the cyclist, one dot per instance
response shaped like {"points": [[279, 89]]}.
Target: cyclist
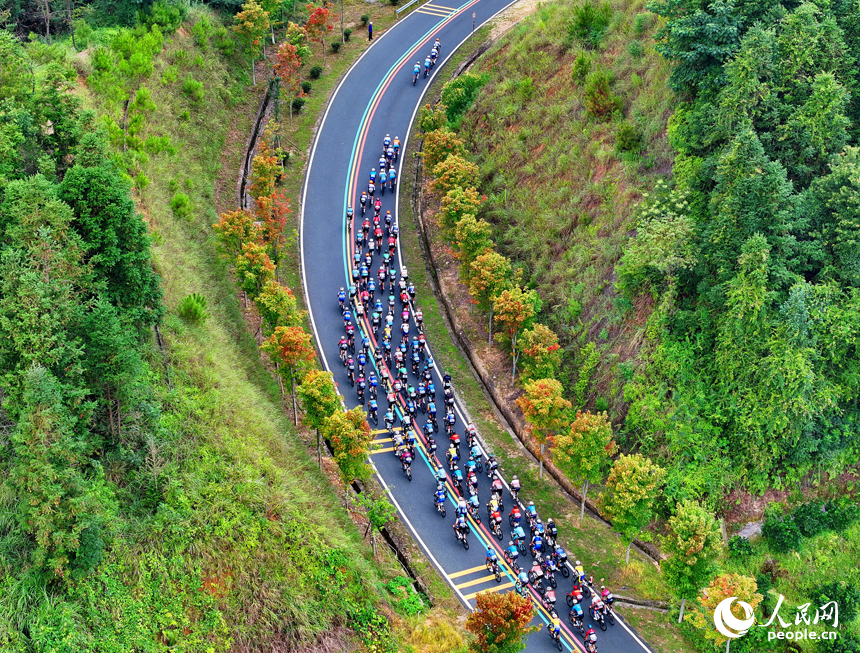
{"points": [[492, 466], [341, 298], [437, 46], [426, 66], [576, 614], [452, 455], [553, 626], [531, 511], [606, 595], [512, 551], [461, 528], [515, 516], [439, 495], [396, 146], [372, 407], [383, 164], [377, 206], [515, 490], [349, 214], [492, 557], [591, 641], [389, 154], [580, 571], [383, 180], [439, 474], [392, 178], [537, 545], [416, 70], [551, 529], [371, 189], [386, 142], [462, 507], [433, 54]]}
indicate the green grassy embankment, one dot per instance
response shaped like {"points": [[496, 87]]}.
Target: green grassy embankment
{"points": [[563, 180]]}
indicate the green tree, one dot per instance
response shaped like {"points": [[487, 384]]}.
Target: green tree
{"points": [[541, 352], [254, 269], [583, 452], [693, 542], [278, 306], [438, 144], [351, 439], [721, 588], [456, 203], [116, 241], [319, 400], [514, 308], [252, 23], [380, 512], [471, 238], [57, 501], [631, 490], [545, 410], [234, 229], [453, 172]]}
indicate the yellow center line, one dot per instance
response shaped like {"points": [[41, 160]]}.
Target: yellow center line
{"points": [[477, 581], [465, 572], [495, 588]]}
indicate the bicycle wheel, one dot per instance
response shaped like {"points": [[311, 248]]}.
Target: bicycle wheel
{"points": [[553, 582], [565, 571], [603, 624], [569, 599], [498, 575], [442, 510], [499, 534], [611, 618], [558, 643], [409, 473], [466, 546]]}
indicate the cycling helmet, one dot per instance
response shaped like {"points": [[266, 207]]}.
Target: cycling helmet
{"points": [[373, 169], [515, 478], [603, 587], [511, 543], [341, 287], [388, 136], [531, 503], [539, 521], [417, 63], [578, 563]]}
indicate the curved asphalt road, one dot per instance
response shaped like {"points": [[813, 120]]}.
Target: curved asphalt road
{"points": [[375, 98]]}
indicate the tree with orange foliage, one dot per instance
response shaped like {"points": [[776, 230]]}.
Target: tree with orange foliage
{"points": [[514, 308], [272, 211], [500, 622], [438, 144], [545, 410], [453, 172], [234, 229], [290, 348], [351, 439], [490, 275], [318, 25], [265, 170], [287, 67], [721, 588], [457, 203], [254, 269]]}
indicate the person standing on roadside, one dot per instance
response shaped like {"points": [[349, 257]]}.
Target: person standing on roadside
{"points": [[370, 31]]}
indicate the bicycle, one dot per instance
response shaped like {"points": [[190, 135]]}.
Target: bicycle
{"points": [[493, 568], [556, 637]]}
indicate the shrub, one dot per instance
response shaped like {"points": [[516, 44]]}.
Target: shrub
{"points": [[315, 72], [782, 535], [167, 16], [192, 309], [346, 34], [589, 23], [199, 62], [627, 138], [641, 23], [141, 181], [180, 57], [459, 94], [89, 553], [846, 595], [335, 46], [581, 68], [740, 547], [170, 75], [298, 103], [365, 19], [599, 100], [201, 31], [181, 205], [601, 404], [306, 87], [192, 88], [635, 49], [224, 42]]}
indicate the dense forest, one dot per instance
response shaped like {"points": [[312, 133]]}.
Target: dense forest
{"points": [[751, 254]]}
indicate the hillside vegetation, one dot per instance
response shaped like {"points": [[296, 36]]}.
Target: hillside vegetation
{"points": [[154, 494], [569, 132]]}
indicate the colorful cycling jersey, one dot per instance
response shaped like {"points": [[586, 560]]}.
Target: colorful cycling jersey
{"points": [[519, 533], [416, 69], [427, 62], [576, 610]]}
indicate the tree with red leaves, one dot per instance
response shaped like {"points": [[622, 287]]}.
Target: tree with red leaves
{"points": [[290, 349], [318, 25], [500, 622], [287, 68]]}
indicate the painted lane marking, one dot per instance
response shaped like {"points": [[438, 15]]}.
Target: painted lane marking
{"points": [[466, 572], [478, 581], [497, 588]]}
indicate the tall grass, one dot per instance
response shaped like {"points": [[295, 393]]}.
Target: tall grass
{"points": [[563, 180]]}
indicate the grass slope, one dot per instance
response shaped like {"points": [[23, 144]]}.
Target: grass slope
{"points": [[560, 186], [244, 545]]}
